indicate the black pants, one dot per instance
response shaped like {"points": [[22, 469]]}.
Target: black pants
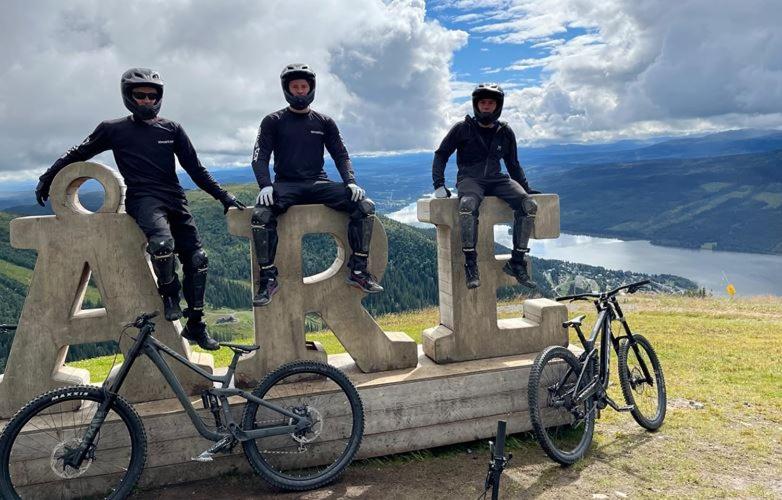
{"points": [[171, 221], [332, 194], [471, 194], [503, 188]]}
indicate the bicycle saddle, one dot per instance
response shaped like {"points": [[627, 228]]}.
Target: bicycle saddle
{"points": [[239, 347], [574, 322]]}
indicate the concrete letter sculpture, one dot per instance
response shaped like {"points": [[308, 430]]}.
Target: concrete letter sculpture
{"points": [[469, 328], [279, 326], [73, 245]]}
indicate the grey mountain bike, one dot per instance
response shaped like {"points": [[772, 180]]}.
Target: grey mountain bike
{"points": [[566, 393], [300, 429]]}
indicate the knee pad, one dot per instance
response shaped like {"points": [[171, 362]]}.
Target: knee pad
{"points": [[364, 208], [199, 261], [263, 216], [160, 247], [163, 262], [529, 206], [468, 205]]}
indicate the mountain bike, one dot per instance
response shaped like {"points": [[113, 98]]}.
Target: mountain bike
{"points": [[566, 393], [300, 429]]}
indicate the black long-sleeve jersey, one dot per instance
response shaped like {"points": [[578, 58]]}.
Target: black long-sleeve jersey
{"points": [[144, 153], [298, 141], [475, 157]]}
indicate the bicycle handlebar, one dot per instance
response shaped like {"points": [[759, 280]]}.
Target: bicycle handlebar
{"points": [[143, 319], [631, 288]]}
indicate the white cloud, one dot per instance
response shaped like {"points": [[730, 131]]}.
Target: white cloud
{"points": [[642, 68], [381, 67]]}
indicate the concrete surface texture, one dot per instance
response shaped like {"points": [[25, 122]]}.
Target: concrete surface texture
{"points": [[74, 245], [279, 326], [411, 409], [469, 328]]}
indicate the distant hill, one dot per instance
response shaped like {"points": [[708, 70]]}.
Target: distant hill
{"points": [[724, 203], [732, 142]]}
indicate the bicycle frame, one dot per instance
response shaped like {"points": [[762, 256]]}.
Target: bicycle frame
{"points": [[608, 310], [148, 345]]}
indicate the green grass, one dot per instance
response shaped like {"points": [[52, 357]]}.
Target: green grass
{"points": [[24, 276], [721, 353], [724, 354], [17, 273]]}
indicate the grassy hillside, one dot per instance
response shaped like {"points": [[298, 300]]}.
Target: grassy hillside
{"points": [[722, 436]]}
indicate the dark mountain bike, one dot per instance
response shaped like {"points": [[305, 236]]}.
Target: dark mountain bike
{"points": [[566, 393], [300, 429]]}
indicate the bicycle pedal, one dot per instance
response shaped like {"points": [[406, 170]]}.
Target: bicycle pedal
{"points": [[204, 457], [224, 445], [616, 407]]}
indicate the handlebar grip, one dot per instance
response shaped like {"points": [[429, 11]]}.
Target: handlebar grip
{"points": [[143, 318]]}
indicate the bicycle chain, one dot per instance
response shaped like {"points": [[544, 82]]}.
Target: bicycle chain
{"points": [[301, 449]]}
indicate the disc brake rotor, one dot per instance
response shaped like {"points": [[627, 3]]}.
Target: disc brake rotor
{"points": [[311, 433], [57, 462]]}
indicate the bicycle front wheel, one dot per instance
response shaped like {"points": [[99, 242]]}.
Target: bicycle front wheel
{"points": [[646, 395], [39, 438], [563, 429], [319, 454]]}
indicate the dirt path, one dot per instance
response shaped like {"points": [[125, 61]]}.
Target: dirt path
{"points": [[624, 462]]}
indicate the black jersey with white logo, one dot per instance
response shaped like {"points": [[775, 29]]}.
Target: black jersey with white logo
{"points": [[144, 153], [298, 141]]}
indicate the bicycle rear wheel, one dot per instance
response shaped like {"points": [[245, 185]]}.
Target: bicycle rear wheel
{"points": [[36, 441], [564, 430], [319, 454], [646, 396]]}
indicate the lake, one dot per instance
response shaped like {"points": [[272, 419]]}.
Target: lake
{"points": [[750, 273]]}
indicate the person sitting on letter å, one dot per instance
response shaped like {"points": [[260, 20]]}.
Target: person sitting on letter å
{"points": [[480, 142], [144, 147], [297, 136]]}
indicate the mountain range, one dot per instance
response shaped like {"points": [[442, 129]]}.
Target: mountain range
{"points": [[721, 191]]}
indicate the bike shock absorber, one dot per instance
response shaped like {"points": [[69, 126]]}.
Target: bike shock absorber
{"points": [[212, 403]]}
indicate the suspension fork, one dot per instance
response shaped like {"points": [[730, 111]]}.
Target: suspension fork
{"points": [[633, 344], [110, 390]]}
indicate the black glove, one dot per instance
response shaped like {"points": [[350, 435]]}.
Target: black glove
{"points": [[42, 192], [532, 191], [229, 201]]}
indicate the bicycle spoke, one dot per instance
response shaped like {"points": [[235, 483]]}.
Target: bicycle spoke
{"points": [[49, 431]]}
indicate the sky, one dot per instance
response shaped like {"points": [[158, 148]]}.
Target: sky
{"points": [[394, 74]]}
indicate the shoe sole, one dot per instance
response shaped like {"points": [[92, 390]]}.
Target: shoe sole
{"points": [[192, 341], [261, 304], [529, 284], [356, 285]]}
